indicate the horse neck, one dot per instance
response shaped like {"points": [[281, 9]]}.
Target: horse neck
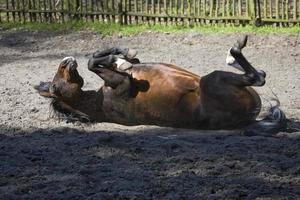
{"points": [[90, 103]]}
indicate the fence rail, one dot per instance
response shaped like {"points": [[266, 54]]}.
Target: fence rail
{"points": [[153, 11]]}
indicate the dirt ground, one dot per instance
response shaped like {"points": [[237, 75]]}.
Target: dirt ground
{"points": [[44, 158]]}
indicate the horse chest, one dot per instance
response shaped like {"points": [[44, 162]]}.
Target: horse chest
{"points": [[114, 107]]}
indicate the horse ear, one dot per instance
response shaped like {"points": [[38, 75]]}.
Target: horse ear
{"points": [[44, 89]]}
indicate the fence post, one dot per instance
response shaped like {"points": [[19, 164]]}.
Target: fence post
{"points": [[120, 12], [255, 13], [7, 8], [124, 11], [258, 14], [77, 10], [251, 10]]}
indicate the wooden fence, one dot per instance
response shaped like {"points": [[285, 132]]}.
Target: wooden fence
{"points": [[153, 11]]}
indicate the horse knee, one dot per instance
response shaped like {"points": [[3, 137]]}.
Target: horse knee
{"points": [[106, 61], [256, 79]]}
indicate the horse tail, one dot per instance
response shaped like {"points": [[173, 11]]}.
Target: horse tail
{"points": [[274, 122]]}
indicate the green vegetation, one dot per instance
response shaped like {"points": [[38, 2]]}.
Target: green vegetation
{"points": [[116, 29]]}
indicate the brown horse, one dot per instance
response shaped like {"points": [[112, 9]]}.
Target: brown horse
{"points": [[163, 94]]}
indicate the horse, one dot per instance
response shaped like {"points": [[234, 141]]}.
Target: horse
{"points": [[163, 94]]}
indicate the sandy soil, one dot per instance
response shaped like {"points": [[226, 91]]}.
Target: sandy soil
{"points": [[44, 158]]}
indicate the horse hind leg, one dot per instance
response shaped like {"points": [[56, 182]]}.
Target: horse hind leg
{"points": [[237, 60], [230, 60], [256, 77]]}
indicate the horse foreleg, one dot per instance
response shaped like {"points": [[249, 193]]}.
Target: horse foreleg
{"points": [[109, 58], [63, 107], [126, 52], [111, 77], [105, 61]]}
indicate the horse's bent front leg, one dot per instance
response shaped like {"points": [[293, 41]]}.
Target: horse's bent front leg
{"points": [[126, 52], [119, 81], [111, 78], [110, 58], [105, 61]]}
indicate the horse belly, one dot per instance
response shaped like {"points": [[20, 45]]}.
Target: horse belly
{"points": [[161, 109], [166, 109]]}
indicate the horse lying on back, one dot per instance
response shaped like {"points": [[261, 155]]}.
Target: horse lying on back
{"points": [[163, 94]]}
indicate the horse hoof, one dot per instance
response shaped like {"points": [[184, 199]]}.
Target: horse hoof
{"points": [[131, 53], [235, 50], [243, 42], [123, 64]]}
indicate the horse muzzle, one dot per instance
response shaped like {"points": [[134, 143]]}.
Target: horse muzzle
{"points": [[70, 62], [72, 65]]}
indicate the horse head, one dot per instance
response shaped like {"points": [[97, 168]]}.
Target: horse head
{"points": [[66, 84], [65, 91]]}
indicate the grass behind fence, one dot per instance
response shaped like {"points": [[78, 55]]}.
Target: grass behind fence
{"points": [[175, 12], [129, 30]]}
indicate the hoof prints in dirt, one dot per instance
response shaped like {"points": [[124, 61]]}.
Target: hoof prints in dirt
{"points": [[65, 163]]}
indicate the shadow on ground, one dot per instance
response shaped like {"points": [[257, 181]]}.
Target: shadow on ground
{"points": [[156, 163], [25, 39]]}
